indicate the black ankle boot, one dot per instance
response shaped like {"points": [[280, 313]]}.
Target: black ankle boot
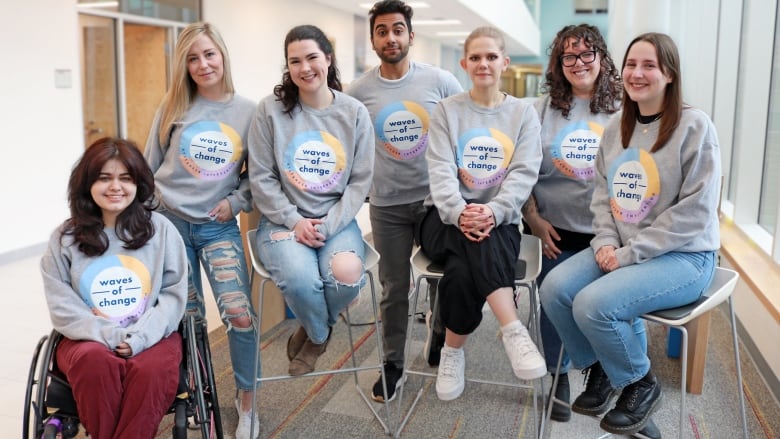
{"points": [[649, 431], [633, 409], [561, 412], [598, 392]]}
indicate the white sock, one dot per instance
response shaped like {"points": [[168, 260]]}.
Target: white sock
{"points": [[511, 326]]}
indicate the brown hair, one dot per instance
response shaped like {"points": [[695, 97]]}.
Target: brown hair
{"points": [[608, 88], [287, 92], [133, 225], [671, 111]]}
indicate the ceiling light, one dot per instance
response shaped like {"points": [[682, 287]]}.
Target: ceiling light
{"points": [[414, 5], [452, 33], [107, 4], [436, 22]]}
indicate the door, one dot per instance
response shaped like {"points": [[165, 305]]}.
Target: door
{"points": [[122, 105], [99, 82]]}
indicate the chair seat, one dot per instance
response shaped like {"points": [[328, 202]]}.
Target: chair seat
{"points": [[370, 262], [680, 312], [527, 269], [438, 268]]}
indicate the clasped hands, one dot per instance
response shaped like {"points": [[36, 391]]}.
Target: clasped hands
{"points": [[476, 221], [305, 232], [606, 259], [123, 350]]}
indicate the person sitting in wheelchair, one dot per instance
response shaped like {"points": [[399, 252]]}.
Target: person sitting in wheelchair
{"points": [[115, 279]]}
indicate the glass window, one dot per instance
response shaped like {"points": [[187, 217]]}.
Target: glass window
{"points": [[770, 184], [187, 11]]}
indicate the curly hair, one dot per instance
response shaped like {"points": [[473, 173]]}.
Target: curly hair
{"points": [[133, 226], [287, 92], [609, 86]]}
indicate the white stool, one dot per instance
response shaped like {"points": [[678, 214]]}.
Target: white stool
{"points": [[372, 258], [529, 266], [720, 290]]}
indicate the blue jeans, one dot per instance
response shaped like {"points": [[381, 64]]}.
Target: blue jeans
{"points": [[597, 314], [218, 247], [551, 343], [304, 276]]}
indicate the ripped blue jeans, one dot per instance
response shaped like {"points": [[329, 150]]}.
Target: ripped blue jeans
{"points": [[218, 248], [304, 276]]}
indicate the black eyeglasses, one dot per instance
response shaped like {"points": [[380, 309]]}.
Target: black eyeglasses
{"points": [[586, 58]]}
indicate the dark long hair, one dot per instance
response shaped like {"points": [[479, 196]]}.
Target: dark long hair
{"points": [[133, 225], [671, 111], [608, 87], [287, 91]]}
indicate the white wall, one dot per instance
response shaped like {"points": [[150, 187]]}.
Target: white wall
{"points": [[41, 124], [692, 24], [254, 33]]}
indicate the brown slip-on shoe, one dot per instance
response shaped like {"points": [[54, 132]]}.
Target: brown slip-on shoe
{"points": [[295, 342], [306, 358]]}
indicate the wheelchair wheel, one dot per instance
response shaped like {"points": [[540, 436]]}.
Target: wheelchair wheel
{"points": [[203, 387], [52, 412], [33, 418], [180, 420]]}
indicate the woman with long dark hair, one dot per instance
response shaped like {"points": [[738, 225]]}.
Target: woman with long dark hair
{"points": [[115, 278], [656, 237], [310, 166]]}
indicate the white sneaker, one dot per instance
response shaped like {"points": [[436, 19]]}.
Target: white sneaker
{"points": [[527, 362], [450, 380], [244, 423]]}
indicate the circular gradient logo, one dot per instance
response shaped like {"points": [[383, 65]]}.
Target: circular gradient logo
{"points": [[210, 150], [315, 161], [574, 149], [634, 185], [483, 157], [117, 288], [403, 129]]}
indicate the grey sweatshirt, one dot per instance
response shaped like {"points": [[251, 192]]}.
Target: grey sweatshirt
{"points": [[485, 155], [133, 296], [647, 204], [204, 162], [401, 111], [565, 185], [315, 164]]}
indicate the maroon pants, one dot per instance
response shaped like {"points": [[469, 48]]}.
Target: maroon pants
{"points": [[117, 397]]}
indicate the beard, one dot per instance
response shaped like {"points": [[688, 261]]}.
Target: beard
{"points": [[403, 51]]}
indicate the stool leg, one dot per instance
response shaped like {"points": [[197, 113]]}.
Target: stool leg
{"points": [[257, 348], [739, 369], [684, 376], [381, 354], [412, 307], [548, 412]]}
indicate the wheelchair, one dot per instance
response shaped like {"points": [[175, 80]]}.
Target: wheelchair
{"points": [[52, 413]]}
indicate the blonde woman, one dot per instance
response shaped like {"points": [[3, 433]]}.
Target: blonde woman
{"points": [[197, 151]]}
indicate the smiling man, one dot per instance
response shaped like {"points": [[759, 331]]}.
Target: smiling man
{"points": [[400, 95]]}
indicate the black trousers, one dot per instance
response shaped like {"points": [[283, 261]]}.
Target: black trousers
{"points": [[472, 270]]}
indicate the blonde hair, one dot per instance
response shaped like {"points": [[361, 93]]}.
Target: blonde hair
{"points": [[485, 31], [183, 90]]}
